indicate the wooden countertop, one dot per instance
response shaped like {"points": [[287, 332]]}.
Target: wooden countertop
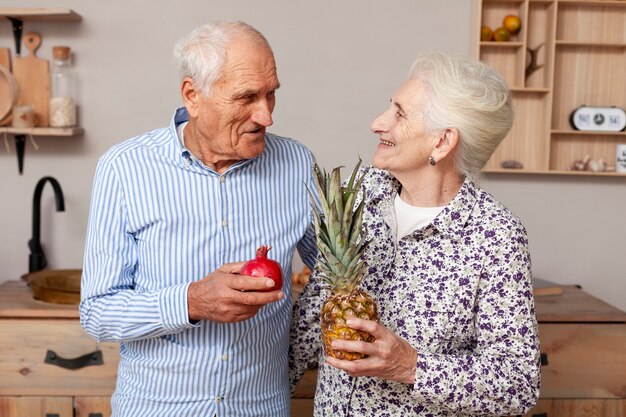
{"points": [[572, 305], [16, 301], [575, 305]]}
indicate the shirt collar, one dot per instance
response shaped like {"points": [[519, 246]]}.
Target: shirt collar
{"points": [[450, 222], [453, 219], [181, 116]]}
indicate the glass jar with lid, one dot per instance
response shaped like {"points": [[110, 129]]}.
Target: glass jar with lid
{"points": [[63, 89]]}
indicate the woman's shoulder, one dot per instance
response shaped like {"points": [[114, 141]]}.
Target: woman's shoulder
{"points": [[376, 182], [488, 209]]}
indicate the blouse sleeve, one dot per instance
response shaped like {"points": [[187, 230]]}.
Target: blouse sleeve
{"points": [[501, 374]]}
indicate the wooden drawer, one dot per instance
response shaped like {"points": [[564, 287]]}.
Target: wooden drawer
{"points": [[578, 408], [584, 360], [36, 406], [25, 345]]}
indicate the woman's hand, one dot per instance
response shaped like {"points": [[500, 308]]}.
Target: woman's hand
{"points": [[390, 356]]}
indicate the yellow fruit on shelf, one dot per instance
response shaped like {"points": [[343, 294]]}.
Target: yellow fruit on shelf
{"points": [[512, 23], [486, 34], [501, 35]]}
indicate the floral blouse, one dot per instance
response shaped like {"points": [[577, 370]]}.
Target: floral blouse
{"points": [[458, 290]]}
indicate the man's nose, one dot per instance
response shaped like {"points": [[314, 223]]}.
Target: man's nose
{"points": [[263, 114]]}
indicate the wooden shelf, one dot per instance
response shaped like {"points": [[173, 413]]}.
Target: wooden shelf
{"points": [[596, 3], [495, 44], [43, 131], [553, 172], [587, 133], [591, 44], [41, 14], [530, 90], [581, 55]]}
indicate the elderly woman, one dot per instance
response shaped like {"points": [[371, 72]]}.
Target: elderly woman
{"points": [[447, 263]]}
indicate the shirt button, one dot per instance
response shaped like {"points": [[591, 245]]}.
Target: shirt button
{"points": [[187, 161], [224, 222], [224, 357], [222, 178], [219, 399]]}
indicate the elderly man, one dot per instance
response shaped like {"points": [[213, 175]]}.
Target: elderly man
{"points": [[174, 213]]}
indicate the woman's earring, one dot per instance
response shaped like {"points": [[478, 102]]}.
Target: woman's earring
{"points": [[431, 160]]}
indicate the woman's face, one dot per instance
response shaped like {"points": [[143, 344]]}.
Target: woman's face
{"points": [[404, 144]]}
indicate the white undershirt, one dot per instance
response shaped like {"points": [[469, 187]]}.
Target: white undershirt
{"points": [[410, 218]]}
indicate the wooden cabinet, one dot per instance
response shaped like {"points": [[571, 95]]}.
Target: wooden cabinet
{"points": [[581, 58], [38, 338], [48, 364], [583, 346]]}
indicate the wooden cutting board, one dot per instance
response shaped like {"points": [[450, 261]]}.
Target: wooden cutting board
{"points": [[5, 57], [33, 78]]}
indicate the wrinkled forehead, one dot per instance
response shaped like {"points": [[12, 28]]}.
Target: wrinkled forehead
{"points": [[250, 58], [411, 95]]}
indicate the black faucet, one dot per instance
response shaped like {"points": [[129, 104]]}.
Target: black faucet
{"points": [[37, 259]]}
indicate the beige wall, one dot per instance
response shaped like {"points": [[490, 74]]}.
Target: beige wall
{"points": [[339, 62]]}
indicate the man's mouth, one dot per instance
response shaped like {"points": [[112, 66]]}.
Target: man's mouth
{"points": [[386, 142], [255, 131]]}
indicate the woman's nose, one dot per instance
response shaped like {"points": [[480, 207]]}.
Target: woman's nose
{"points": [[379, 124]]}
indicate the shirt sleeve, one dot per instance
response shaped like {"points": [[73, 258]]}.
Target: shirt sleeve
{"points": [[305, 341], [111, 309], [501, 374], [307, 249]]}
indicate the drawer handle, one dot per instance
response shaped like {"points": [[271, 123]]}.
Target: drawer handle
{"points": [[93, 358], [544, 362], [540, 415], [95, 414]]}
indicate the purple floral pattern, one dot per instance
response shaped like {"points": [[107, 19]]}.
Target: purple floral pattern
{"points": [[458, 290]]}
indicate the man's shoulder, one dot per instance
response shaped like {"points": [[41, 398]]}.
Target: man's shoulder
{"points": [[137, 144], [282, 142], [287, 152]]}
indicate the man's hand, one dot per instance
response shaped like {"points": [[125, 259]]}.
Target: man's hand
{"points": [[390, 356], [224, 296]]}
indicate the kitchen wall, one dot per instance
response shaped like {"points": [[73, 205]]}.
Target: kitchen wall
{"points": [[339, 62]]}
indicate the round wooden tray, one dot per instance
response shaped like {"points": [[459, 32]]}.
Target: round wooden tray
{"points": [[60, 286], [8, 92]]}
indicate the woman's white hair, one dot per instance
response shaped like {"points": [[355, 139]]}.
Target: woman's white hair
{"points": [[201, 54], [470, 96]]}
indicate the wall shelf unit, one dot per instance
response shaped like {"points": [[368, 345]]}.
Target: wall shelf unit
{"points": [[17, 16], [580, 51]]}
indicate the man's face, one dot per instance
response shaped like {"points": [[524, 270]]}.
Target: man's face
{"points": [[231, 122]]}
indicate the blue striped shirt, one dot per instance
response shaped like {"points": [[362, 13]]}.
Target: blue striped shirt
{"points": [[159, 220]]}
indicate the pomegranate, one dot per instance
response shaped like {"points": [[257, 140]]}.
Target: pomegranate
{"points": [[262, 266]]}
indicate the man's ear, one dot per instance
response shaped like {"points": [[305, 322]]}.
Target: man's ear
{"points": [[191, 97], [446, 144]]}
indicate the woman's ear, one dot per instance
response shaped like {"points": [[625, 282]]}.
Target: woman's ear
{"points": [[190, 96], [446, 144]]}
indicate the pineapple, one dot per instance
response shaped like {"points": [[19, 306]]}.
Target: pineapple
{"points": [[339, 241]]}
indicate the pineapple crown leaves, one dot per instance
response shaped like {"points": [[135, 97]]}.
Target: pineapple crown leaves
{"points": [[338, 227]]}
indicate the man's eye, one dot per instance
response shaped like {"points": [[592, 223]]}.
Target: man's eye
{"points": [[399, 115]]}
